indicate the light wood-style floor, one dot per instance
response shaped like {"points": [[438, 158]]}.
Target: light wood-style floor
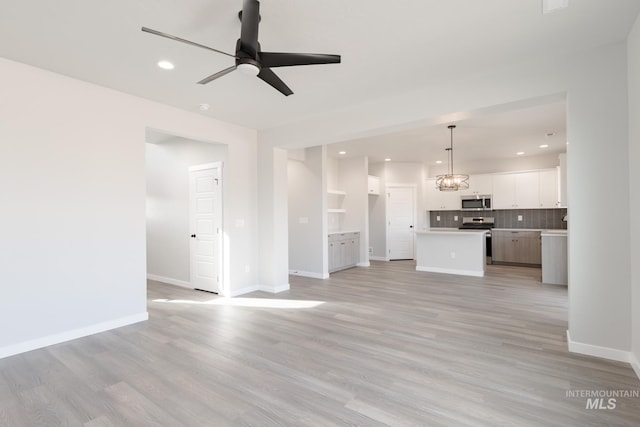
{"points": [[384, 345]]}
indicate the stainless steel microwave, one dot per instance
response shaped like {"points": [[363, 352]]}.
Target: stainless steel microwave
{"points": [[480, 202]]}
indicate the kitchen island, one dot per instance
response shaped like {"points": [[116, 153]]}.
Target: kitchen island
{"points": [[451, 251]]}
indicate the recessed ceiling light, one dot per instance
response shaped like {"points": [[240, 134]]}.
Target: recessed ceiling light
{"points": [[387, 159], [544, 146], [549, 6], [342, 152], [166, 65], [204, 107], [520, 153], [438, 162]]}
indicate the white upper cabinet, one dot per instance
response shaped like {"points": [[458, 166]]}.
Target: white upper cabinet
{"points": [[441, 200], [526, 190], [548, 181], [562, 181], [479, 185], [513, 190], [516, 190], [374, 185]]}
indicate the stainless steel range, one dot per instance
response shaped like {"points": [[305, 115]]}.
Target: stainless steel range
{"points": [[479, 223]]}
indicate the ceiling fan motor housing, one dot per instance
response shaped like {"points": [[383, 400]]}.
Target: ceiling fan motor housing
{"points": [[249, 57]]}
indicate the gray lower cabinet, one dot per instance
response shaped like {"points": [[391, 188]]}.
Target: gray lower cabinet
{"points": [[554, 259], [516, 247], [344, 250]]}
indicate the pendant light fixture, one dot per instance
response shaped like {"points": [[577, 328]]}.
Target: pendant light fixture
{"points": [[451, 181]]}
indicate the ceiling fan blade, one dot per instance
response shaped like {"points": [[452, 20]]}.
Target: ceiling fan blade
{"points": [[178, 39], [274, 59], [219, 74], [250, 17], [270, 77]]}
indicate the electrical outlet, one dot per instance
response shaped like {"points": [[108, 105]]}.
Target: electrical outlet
{"points": [[437, 217], [452, 255], [519, 217], [370, 250], [455, 217]]}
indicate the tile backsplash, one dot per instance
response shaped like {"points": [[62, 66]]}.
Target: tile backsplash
{"points": [[531, 218]]}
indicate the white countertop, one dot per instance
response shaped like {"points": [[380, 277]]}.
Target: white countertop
{"points": [[517, 229], [554, 233], [443, 230], [542, 230], [343, 231]]}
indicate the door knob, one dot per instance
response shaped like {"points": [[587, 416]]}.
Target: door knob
{"points": [[193, 236]]}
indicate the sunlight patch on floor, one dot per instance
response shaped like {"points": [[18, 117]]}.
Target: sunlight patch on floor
{"points": [[247, 302]]}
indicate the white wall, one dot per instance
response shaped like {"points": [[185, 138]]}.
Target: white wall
{"points": [[596, 90], [307, 204], [334, 221], [167, 171], [273, 220], [599, 263], [633, 49], [72, 179], [353, 179], [378, 215]]}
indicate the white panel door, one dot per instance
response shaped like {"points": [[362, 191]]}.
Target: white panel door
{"points": [[205, 223], [400, 222]]}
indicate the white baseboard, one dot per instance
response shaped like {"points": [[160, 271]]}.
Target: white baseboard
{"points": [[474, 273], [363, 264], [309, 274], [254, 288], [378, 258], [635, 364], [242, 291], [71, 335], [170, 281], [603, 352], [275, 289]]}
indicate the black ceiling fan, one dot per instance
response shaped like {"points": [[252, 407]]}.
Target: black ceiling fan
{"points": [[249, 58]]}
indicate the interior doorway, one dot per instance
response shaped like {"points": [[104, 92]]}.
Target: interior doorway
{"points": [[401, 220], [168, 222]]}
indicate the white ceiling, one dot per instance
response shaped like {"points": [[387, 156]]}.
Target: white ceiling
{"points": [[484, 137], [386, 47]]}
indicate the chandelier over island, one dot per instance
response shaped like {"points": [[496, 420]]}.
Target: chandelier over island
{"points": [[451, 181]]}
